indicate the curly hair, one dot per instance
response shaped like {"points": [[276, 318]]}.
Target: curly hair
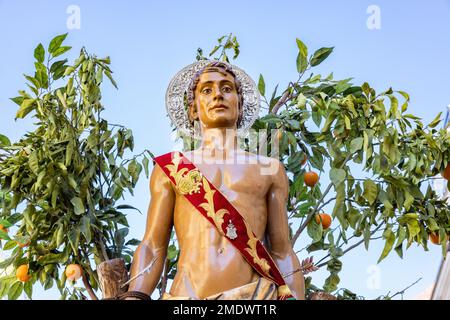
{"points": [[215, 66]]}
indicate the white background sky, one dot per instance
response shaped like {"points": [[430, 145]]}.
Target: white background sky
{"points": [[149, 41]]}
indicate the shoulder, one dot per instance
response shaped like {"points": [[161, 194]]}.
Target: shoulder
{"points": [[268, 165], [158, 178]]}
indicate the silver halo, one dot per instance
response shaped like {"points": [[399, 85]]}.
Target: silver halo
{"points": [[177, 110]]}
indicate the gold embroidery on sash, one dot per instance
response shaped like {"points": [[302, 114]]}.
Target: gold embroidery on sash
{"points": [[208, 206], [186, 183], [252, 241]]}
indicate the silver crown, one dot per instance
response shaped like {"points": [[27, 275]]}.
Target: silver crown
{"points": [[177, 91]]}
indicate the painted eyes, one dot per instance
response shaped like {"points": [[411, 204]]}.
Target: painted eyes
{"points": [[225, 89]]}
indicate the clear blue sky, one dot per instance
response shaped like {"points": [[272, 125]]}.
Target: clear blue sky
{"points": [[149, 41]]}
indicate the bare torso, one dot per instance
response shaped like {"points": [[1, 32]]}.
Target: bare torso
{"points": [[208, 262]]}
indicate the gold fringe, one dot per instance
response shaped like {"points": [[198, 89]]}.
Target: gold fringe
{"points": [[284, 292]]}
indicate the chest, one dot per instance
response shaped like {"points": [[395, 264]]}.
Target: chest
{"points": [[237, 179]]}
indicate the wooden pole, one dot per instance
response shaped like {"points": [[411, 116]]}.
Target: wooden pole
{"points": [[111, 275]]}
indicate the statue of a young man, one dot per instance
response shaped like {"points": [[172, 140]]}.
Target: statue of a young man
{"points": [[229, 216]]}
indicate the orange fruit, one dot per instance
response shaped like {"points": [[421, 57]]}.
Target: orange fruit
{"points": [[3, 228], [325, 219], [73, 272], [22, 273], [434, 237], [311, 178], [446, 173]]}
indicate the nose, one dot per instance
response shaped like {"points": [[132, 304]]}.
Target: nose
{"points": [[217, 93]]}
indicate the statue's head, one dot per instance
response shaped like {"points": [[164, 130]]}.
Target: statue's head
{"points": [[215, 97]]}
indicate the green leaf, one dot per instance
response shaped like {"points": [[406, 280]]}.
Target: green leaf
{"points": [[9, 245], [4, 141], [314, 230], [413, 228], [61, 51], [370, 191], [74, 238], [353, 217], [302, 63], [320, 55], [119, 237], [26, 107], [331, 282], [347, 123], [409, 199], [56, 43], [78, 205], [69, 153], [4, 235], [61, 98], [4, 287], [17, 100], [301, 101], [342, 86], [145, 163], [42, 77], [390, 239], [356, 144], [338, 210], [28, 288], [108, 74], [432, 225], [39, 53], [436, 121], [57, 65], [337, 176], [401, 236], [5, 223], [33, 162], [270, 118], [317, 117], [60, 235], [126, 206], [261, 85], [366, 235], [302, 48], [85, 228], [133, 242], [48, 283], [15, 290], [214, 50], [172, 252], [303, 209], [68, 71]]}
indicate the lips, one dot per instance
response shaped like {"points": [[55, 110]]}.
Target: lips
{"points": [[219, 106]]}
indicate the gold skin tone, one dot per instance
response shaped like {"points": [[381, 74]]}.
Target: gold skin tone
{"points": [[208, 262]]}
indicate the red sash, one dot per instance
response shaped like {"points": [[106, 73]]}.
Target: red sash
{"points": [[213, 205]]}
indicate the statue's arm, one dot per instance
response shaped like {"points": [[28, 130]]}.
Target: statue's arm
{"points": [[157, 233], [278, 233]]}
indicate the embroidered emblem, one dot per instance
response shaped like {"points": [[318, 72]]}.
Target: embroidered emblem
{"points": [[231, 231], [187, 182]]}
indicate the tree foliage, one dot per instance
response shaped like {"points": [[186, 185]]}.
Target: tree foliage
{"points": [[379, 158], [62, 183]]}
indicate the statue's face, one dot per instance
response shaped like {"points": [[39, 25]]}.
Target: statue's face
{"points": [[216, 100]]}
